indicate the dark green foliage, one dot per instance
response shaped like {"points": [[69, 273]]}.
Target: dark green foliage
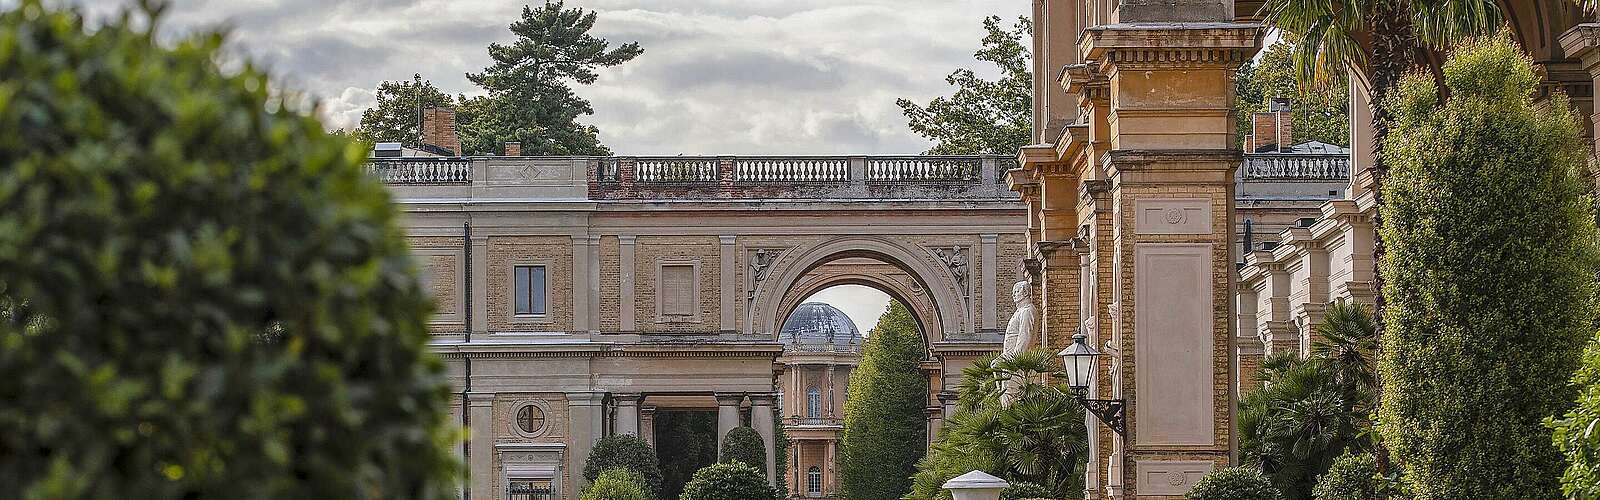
{"points": [[616, 484], [397, 116], [1234, 483], [1573, 431], [530, 97], [1320, 108], [781, 459], [1024, 491], [983, 116], [686, 441], [625, 451], [209, 298], [1490, 276], [744, 444], [884, 428], [1352, 477], [1310, 412], [729, 481], [1039, 439]]}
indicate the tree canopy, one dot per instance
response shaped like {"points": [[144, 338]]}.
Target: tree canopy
{"points": [[983, 116], [528, 89], [1320, 107], [208, 297]]}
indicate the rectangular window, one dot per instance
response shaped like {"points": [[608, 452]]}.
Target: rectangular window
{"points": [[677, 290], [529, 284]]}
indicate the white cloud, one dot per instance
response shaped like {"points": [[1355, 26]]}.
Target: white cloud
{"points": [[717, 76]]}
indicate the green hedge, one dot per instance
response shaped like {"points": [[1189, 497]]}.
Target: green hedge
{"points": [[744, 444], [616, 484], [729, 481], [625, 451], [206, 296], [1352, 477], [1234, 483], [1490, 276]]}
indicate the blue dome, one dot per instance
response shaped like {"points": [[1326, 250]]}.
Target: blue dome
{"points": [[817, 325]]}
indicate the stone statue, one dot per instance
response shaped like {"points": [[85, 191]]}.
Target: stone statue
{"points": [[1019, 332]]}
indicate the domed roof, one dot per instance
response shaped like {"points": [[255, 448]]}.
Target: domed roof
{"points": [[815, 324]]}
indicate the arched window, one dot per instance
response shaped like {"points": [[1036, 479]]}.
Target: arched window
{"points": [[814, 481], [814, 403]]}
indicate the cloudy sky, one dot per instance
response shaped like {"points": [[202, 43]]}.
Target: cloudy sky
{"points": [[716, 76]]}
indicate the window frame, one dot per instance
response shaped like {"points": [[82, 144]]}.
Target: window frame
{"points": [[545, 295], [814, 481], [814, 402]]}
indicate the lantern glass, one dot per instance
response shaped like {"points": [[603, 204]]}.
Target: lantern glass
{"points": [[1079, 361]]}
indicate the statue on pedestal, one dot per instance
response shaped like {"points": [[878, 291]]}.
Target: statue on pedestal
{"points": [[1019, 333]]}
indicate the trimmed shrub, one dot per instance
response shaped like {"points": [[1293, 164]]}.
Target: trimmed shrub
{"points": [[744, 444], [1573, 432], [207, 296], [1234, 483], [625, 451], [686, 441], [729, 481], [1489, 276], [616, 484], [885, 432], [1352, 477]]}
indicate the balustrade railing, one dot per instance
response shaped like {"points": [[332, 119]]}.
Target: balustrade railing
{"points": [[608, 170], [924, 168], [1289, 166], [791, 169], [675, 169], [421, 170]]}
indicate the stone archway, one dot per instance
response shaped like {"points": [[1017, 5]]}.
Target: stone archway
{"points": [[871, 273], [951, 314]]}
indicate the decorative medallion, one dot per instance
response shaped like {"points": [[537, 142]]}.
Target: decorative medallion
{"points": [[530, 172], [1176, 479], [1176, 216]]}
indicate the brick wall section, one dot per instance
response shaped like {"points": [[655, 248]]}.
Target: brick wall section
{"points": [[507, 251], [439, 129], [556, 417], [654, 250], [441, 274]]}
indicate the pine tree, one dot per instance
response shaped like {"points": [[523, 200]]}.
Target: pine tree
{"points": [[983, 116], [884, 429]]}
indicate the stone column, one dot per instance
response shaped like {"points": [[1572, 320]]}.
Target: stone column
{"points": [[828, 410], [1582, 42], [480, 283], [727, 416], [830, 481], [480, 463], [627, 417], [1171, 168], [761, 420], [587, 409], [647, 424]]}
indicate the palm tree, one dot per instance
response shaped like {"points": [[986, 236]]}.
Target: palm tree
{"points": [[1347, 339], [1300, 421]]}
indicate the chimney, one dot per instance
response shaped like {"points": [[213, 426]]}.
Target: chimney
{"points": [[513, 148], [439, 129], [1271, 131]]}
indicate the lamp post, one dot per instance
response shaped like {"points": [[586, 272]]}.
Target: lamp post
{"points": [[1080, 360]]}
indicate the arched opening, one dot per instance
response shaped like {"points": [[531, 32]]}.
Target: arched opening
{"points": [[823, 335]]}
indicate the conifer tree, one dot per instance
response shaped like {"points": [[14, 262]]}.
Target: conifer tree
{"points": [[884, 429]]}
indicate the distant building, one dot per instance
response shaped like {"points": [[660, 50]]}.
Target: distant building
{"points": [[821, 346]]}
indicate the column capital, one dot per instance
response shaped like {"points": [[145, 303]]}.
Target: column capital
{"points": [[586, 398], [948, 397], [480, 398], [627, 239], [726, 239], [627, 398], [729, 399], [762, 398]]}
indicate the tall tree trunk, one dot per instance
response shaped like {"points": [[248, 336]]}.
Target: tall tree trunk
{"points": [[1394, 45]]}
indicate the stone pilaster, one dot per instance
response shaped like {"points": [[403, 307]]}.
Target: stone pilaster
{"points": [[627, 413], [761, 420], [727, 416], [628, 254], [480, 447], [647, 424], [587, 410], [1171, 165]]}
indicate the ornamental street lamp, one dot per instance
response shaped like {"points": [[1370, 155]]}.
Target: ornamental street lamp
{"points": [[1080, 359]]}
